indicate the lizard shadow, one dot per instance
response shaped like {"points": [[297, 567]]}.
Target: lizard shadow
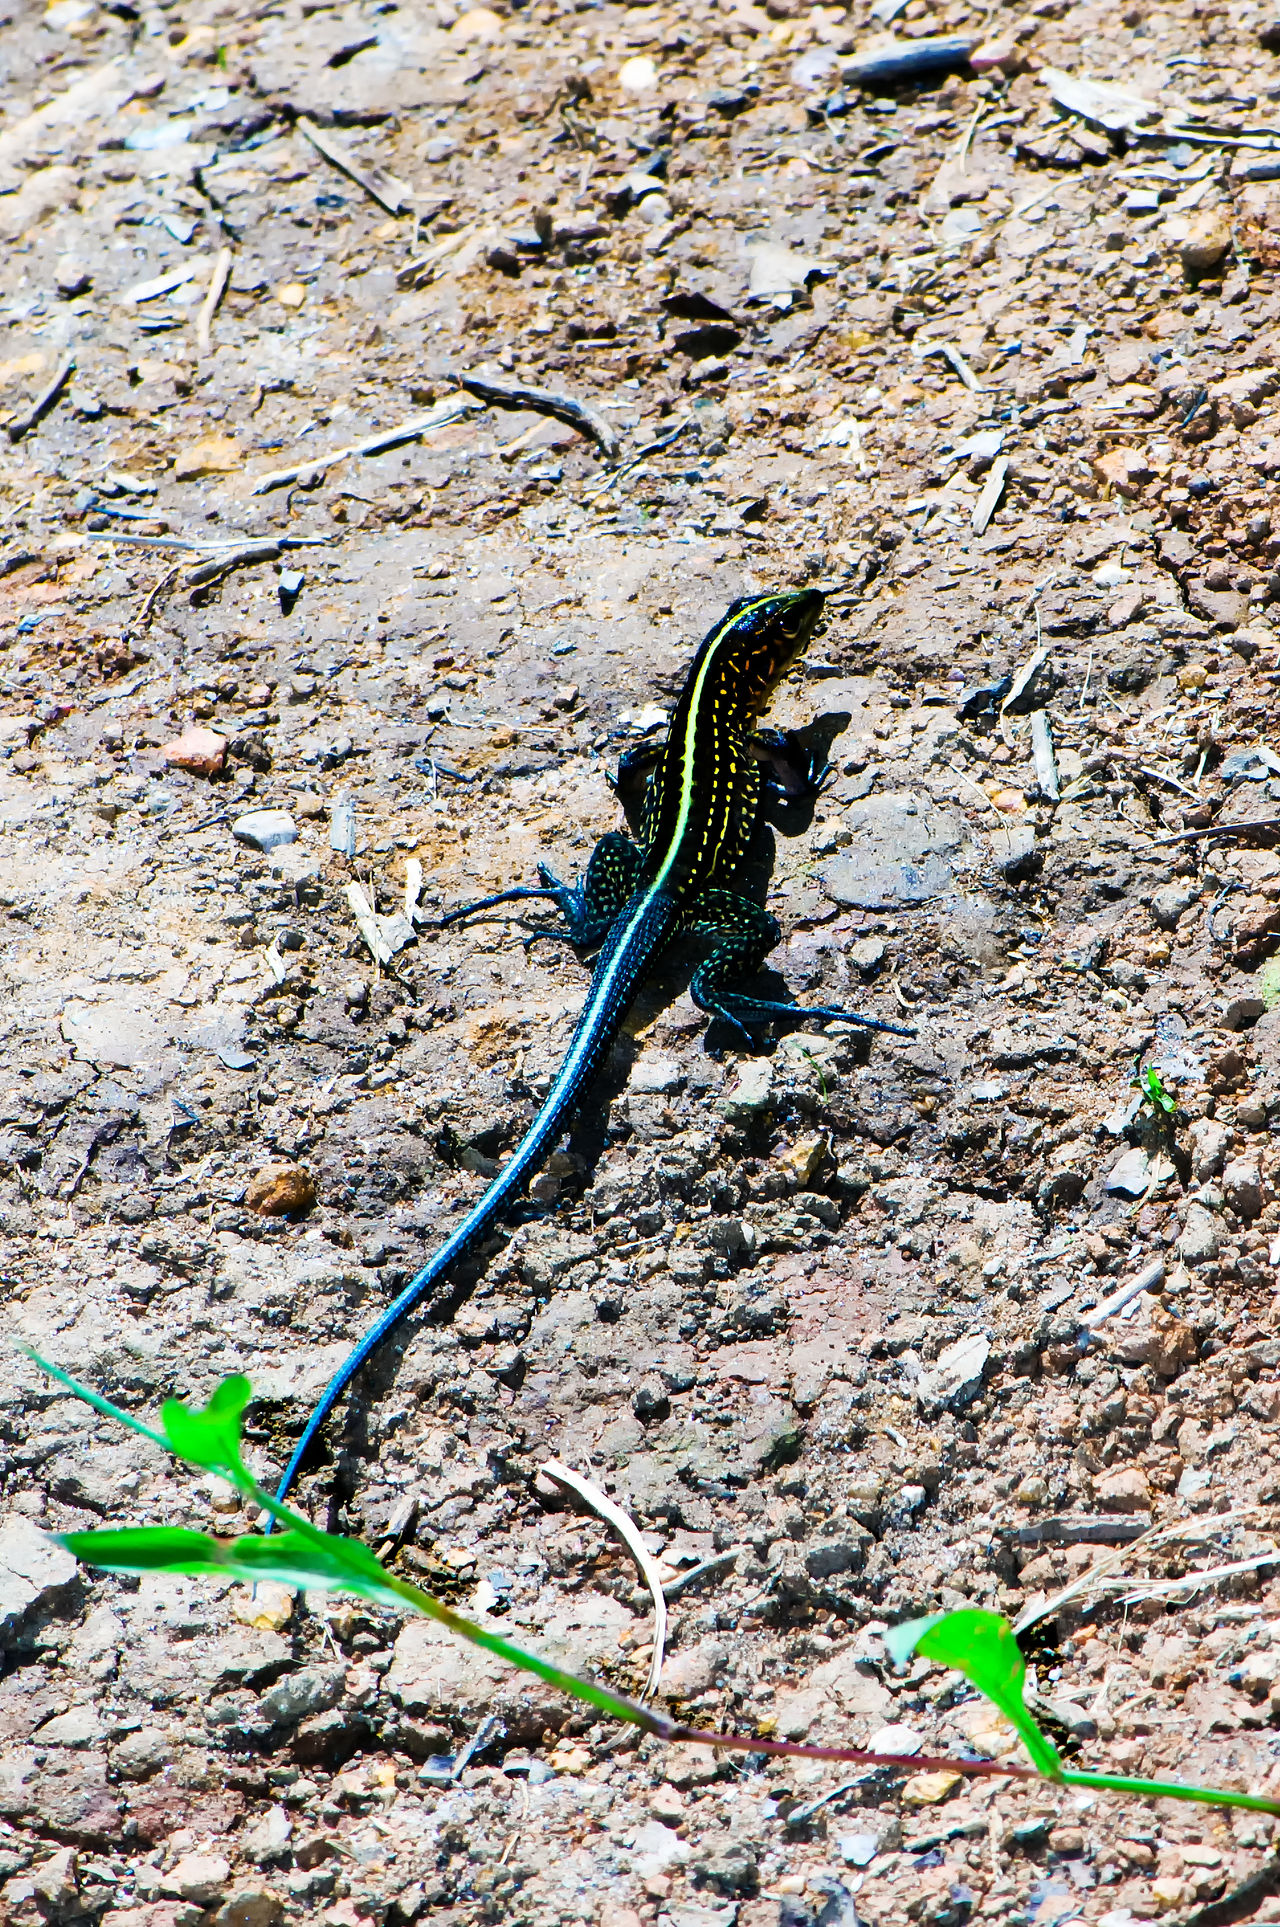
{"points": [[782, 814]]}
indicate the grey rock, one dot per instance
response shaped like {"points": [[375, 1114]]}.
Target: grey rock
{"points": [[1172, 902], [265, 829], [1242, 1186], [313, 1690], [1015, 852], [33, 1573], [1252, 765], [1212, 1141], [249, 1906], [1224, 608], [956, 1376], [57, 1881], [905, 1503], [831, 1556], [342, 825], [1201, 1238], [904, 850], [866, 955], [1014, 1050], [751, 1095]]}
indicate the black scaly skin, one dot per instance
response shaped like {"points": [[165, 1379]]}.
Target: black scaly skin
{"points": [[700, 810]]}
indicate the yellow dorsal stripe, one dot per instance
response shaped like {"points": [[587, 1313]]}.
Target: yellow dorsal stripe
{"points": [[689, 751]]}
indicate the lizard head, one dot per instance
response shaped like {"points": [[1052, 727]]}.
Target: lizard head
{"points": [[772, 632]]}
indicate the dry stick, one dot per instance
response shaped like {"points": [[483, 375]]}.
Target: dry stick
{"points": [[209, 306], [1145, 1280], [23, 424], [382, 187], [1222, 829], [166, 582], [375, 445], [206, 572], [989, 500], [627, 1531], [566, 408]]}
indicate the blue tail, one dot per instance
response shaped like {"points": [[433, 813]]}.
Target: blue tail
{"points": [[638, 934]]}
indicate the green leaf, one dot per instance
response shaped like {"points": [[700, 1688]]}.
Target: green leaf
{"points": [[145, 1549], [211, 1438], [982, 1646], [322, 1563]]}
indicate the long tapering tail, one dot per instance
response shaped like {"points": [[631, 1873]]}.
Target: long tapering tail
{"points": [[639, 932]]}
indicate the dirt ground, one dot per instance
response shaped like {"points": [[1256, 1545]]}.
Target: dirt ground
{"points": [[992, 358]]}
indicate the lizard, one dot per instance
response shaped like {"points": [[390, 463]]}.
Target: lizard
{"points": [[701, 806]]}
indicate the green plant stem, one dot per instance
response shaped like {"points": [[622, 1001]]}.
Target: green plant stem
{"points": [[362, 1566], [100, 1404], [1173, 1790]]}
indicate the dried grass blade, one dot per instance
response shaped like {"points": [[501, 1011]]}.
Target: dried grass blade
{"points": [[629, 1534]]}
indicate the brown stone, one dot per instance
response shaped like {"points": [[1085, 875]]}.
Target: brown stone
{"points": [[212, 454], [282, 1191], [1126, 1490], [202, 751], [249, 1906], [1206, 242], [1126, 469], [1173, 1343], [1224, 608]]}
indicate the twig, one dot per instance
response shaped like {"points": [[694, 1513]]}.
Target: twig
{"points": [[439, 251], [1042, 754], [696, 1574], [1201, 1576], [799, 1815], [1099, 1575], [105, 1134], [989, 500], [150, 541], [627, 1531], [1024, 677], [23, 424], [565, 408], [1222, 829], [479, 1739], [382, 187], [1170, 782], [270, 549], [218, 565], [650, 448], [367, 924], [209, 306], [1080, 1530], [166, 581], [952, 354], [409, 431], [412, 887], [1145, 1280], [969, 132]]}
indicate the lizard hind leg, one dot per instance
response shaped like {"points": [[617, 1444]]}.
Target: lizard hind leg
{"points": [[588, 908], [610, 882], [743, 935]]}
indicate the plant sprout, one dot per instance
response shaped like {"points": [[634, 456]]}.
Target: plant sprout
{"points": [[979, 1644]]}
